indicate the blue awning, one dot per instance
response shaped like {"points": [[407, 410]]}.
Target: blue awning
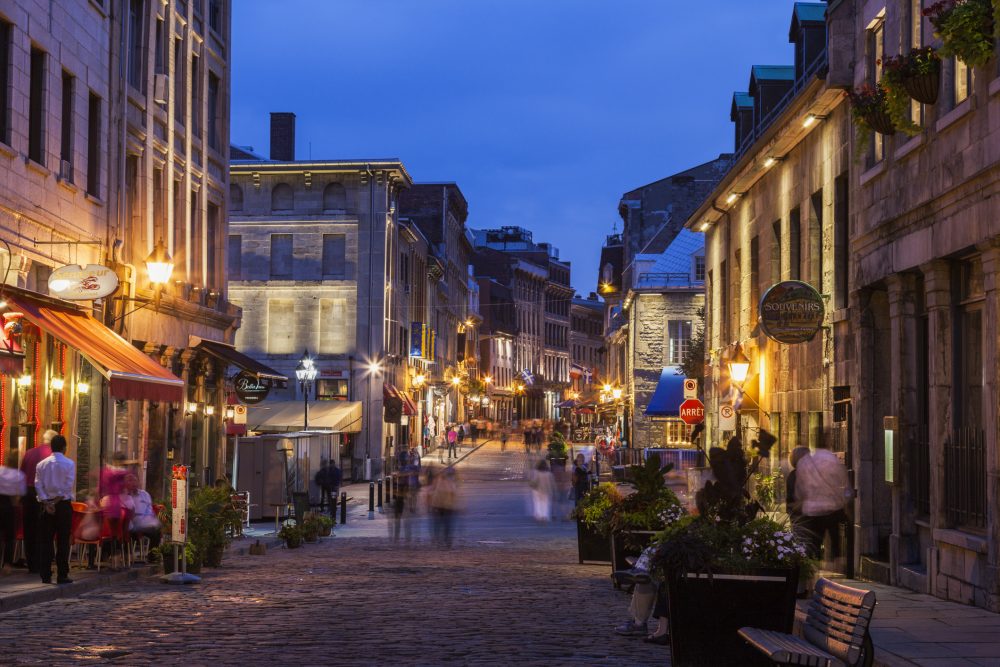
{"points": [[669, 393]]}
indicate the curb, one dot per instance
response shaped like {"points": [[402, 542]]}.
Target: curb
{"points": [[77, 588]]}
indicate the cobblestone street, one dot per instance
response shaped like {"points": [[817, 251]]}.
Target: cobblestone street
{"points": [[510, 591]]}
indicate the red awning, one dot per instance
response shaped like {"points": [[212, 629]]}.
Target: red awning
{"points": [[132, 374], [409, 407], [391, 392]]}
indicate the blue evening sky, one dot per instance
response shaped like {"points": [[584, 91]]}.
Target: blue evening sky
{"points": [[543, 111]]}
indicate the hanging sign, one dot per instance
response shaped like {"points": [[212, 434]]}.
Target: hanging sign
{"points": [[251, 390], [81, 283], [791, 312], [178, 504], [727, 418], [239, 414]]}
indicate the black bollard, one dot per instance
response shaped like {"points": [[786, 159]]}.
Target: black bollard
{"points": [[371, 500], [380, 510], [343, 508]]}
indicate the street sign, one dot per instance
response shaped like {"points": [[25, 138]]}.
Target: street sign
{"points": [[727, 418], [239, 414], [692, 411], [178, 504], [690, 388]]}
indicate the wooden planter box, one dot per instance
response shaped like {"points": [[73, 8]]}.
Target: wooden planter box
{"points": [[628, 543], [591, 547], [705, 614]]}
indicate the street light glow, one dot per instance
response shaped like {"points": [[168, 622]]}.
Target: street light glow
{"points": [[456, 380], [739, 366], [57, 383]]}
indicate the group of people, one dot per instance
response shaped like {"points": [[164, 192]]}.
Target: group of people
{"points": [[418, 488], [551, 486], [44, 486]]}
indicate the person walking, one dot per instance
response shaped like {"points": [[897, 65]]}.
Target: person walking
{"points": [[542, 486], [822, 489], [12, 487], [443, 503], [581, 478], [504, 434], [55, 482], [30, 507], [452, 442], [328, 478], [793, 504]]}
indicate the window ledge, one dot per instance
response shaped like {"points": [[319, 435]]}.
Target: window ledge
{"points": [[952, 116], [910, 146], [873, 173], [94, 199], [995, 86], [961, 539], [36, 167], [67, 183]]}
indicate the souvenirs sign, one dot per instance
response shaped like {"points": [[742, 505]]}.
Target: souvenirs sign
{"points": [[250, 389], [791, 312], [81, 283]]}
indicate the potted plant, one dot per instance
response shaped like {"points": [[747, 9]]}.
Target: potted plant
{"points": [[311, 527], [557, 450], [870, 112], [727, 568], [916, 74], [211, 518], [965, 28], [291, 533], [593, 522], [325, 524], [165, 552]]}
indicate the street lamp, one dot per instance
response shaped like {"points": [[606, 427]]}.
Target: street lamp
{"points": [[739, 366], [305, 373], [159, 266]]}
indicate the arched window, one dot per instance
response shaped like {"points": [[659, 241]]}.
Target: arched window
{"points": [[282, 198], [334, 197], [235, 198]]}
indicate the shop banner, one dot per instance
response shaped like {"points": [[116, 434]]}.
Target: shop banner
{"points": [[178, 504]]}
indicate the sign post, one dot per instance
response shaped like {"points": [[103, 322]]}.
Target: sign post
{"points": [[179, 527]]}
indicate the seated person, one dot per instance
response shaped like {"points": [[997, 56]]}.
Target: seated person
{"points": [[648, 599], [145, 523]]}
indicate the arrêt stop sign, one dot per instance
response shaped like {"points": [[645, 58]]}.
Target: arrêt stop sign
{"points": [[692, 411]]}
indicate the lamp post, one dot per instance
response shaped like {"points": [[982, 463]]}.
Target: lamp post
{"points": [[305, 373], [739, 367]]}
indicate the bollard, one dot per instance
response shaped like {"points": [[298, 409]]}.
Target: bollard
{"points": [[371, 500], [388, 489], [343, 508], [380, 510]]}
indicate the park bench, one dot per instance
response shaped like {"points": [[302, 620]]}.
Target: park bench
{"points": [[834, 632]]}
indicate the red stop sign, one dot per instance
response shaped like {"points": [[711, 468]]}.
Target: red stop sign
{"points": [[692, 411]]}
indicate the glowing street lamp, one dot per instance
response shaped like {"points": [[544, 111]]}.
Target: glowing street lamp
{"points": [[739, 366], [305, 373]]}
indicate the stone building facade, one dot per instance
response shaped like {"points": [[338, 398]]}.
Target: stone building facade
{"points": [[316, 261], [586, 345], [924, 302], [115, 134]]}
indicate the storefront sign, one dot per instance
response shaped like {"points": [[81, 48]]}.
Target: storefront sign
{"points": [[178, 504], [81, 283], [791, 312], [251, 390]]}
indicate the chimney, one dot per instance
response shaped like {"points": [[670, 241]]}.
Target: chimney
{"points": [[282, 136]]}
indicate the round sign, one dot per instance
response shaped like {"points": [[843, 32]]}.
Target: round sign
{"points": [[692, 411], [251, 389], [727, 412], [80, 283], [791, 312]]}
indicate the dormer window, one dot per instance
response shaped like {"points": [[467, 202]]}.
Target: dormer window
{"points": [[699, 268]]}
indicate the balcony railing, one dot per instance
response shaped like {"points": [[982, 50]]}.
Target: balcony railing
{"points": [[648, 280]]}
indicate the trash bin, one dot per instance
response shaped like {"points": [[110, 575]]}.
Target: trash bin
{"points": [[300, 502]]}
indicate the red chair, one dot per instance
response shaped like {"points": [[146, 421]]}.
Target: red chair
{"points": [[80, 510]]}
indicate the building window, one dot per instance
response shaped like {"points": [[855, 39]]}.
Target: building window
{"points": [[841, 239], [795, 244], [179, 249], [962, 81], [36, 107], [282, 197], [334, 256], [679, 332], [816, 240], [754, 278], [136, 52], [235, 197], [215, 15], [916, 41], [776, 252], [159, 55], [699, 268], [94, 145], [281, 326], [214, 112], [197, 242], [235, 258], [196, 109], [331, 390], [5, 46], [159, 210], [281, 256], [66, 133], [876, 54], [212, 234], [180, 67], [334, 197]]}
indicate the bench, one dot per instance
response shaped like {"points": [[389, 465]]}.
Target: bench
{"points": [[834, 633]]}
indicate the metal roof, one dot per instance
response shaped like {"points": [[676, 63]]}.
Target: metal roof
{"points": [[743, 99], [773, 72], [810, 12], [677, 257]]}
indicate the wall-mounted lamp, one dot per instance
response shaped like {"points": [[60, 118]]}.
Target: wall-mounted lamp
{"points": [[230, 412], [739, 366], [24, 380], [192, 408], [82, 388], [456, 380], [419, 380], [704, 227], [769, 162], [616, 393], [811, 119], [733, 196], [209, 410], [57, 383]]}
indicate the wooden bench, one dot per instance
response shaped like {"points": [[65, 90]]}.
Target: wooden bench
{"points": [[835, 631]]}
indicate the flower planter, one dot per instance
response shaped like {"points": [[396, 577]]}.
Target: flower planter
{"points": [[924, 88], [880, 122], [628, 543], [325, 531], [706, 614], [557, 463], [293, 543], [590, 545]]}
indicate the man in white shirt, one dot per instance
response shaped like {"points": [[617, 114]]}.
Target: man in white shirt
{"points": [[55, 482], [822, 487]]}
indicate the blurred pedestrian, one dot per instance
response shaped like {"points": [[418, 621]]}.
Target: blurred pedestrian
{"points": [[581, 478], [444, 504], [452, 441], [542, 487], [504, 434], [30, 507], [12, 487], [328, 478], [144, 522], [822, 488], [399, 500], [793, 504], [55, 483]]}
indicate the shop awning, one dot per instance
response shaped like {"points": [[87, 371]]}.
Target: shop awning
{"points": [[288, 416], [230, 354], [669, 393], [567, 404], [409, 407], [392, 393], [132, 374]]}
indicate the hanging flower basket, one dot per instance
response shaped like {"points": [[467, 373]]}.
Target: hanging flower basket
{"points": [[870, 109], [881, 122], [917, 73], [965, 28], [924, 88]]}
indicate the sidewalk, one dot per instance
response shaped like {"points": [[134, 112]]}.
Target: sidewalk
{"points": [[916, 629]]}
